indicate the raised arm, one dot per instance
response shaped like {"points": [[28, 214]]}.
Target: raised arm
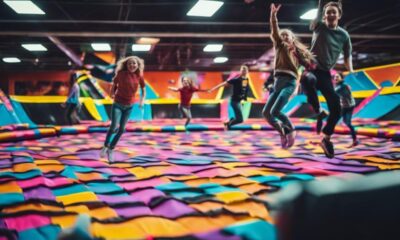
{"points": [[315, 21], [218, 86], [273, 20], [202, 90], [173, 89]]}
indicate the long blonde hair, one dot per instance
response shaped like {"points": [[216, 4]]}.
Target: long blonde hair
{"points": [[190, 81], [122, 65], [304, 54]]}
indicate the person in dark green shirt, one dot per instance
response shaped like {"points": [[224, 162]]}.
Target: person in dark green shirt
{"points": [[328, 42], [347, 103]]}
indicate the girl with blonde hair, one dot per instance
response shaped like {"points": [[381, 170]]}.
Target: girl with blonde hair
{"points": [[127, 80], [290, 53]]}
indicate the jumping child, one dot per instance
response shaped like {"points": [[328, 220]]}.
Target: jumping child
{"points": [[289, 54], [72, 103], [129, 76], [347, 103], [240, 90], [328, 41], [186, 93]]}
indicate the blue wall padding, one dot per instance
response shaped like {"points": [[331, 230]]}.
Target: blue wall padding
{"points": [[19, 110], [359, 81], [379, 106], [102, 111], [139, 114], [150, 94], [295, 101], [6, 116]]}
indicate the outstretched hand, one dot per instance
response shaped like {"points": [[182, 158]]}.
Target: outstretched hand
{"points": [[275, 9]]}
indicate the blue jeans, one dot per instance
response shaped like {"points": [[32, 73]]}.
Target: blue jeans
{"points": [[185, 111], [119, 114], [283, 88], [347, 114], [237, 109]]}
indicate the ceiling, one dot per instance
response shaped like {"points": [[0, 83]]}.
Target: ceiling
{"points": [[70, 26]]}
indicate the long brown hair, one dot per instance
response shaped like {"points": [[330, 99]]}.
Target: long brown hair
{"points": [[122, 65], [304, 54]]}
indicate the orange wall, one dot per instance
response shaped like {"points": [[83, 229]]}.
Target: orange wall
{"points": [[258, 79], [60, 76], [380, 75], [160, 81]]}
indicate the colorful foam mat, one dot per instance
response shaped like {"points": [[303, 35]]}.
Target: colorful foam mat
{"points": [[167, 185], [20, 132]]}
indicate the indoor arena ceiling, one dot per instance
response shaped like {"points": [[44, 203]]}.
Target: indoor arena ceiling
{"points": [[69, 27]]}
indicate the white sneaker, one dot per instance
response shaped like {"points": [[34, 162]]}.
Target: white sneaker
{"points": [[103, 152], [283, 141], [290, 139], [110, 155]]}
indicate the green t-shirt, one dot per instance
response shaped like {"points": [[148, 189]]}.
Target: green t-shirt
{"points": [[327, 44]]}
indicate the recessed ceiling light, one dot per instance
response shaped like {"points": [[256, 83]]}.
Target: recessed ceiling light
{"points": [[310, 14], [34, 47], [220, 59], [141, 47], [11, 60], [101, 47], [24, 7], [213, 48], [146, 40], [205, 8]]}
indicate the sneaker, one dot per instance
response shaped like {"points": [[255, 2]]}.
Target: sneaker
{"points": [[110, 155], [103, 152], [320, 119], [284, 141], [290, 137], [355, 143], [327, 146], [226, 125]]}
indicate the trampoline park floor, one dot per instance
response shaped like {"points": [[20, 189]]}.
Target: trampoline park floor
{"points": [[161, 185]]}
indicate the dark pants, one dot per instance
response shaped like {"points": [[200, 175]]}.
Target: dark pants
{"points": [[71, 114], [237, 109], [323, 82], [347, 114], [185, 112], [308, 85], [119, 115], [284, 87]]}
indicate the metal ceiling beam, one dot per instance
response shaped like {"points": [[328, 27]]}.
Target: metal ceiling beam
{"points": [[174, 35], [169, 23], [69, 52]]}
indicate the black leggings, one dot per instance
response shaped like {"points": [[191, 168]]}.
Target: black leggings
{"points": [[322, 80]]}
